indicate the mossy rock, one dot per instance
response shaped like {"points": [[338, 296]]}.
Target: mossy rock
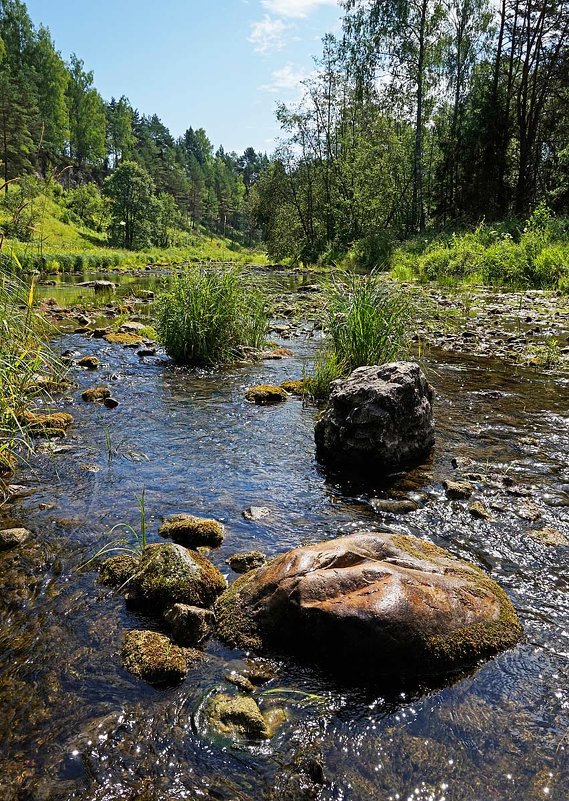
{"points": [[369, 605], [266, 395], [190, 625], [89, 362], [154, 658], [297, 386], [130, 340], [236, 716], [246, 561], [171, 574], [119, 570], [46, 425], [96, 394], [193, 532]]}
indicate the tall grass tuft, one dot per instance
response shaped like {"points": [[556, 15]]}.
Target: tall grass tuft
{"points": [[27, 368], [207, 316], [367, 321]]}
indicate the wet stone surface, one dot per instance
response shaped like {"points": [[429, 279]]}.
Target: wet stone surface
{"points": [[75, 726]]}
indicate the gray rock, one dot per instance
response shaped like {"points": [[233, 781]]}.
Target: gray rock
{"points": [[256, 512], [190, 625], [458, 490], [378, 419]]}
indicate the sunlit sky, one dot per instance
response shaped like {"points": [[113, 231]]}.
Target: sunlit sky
{"points": [[220, 65]]}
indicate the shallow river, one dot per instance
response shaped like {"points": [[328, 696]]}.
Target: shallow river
{"points": [[75, 725]]}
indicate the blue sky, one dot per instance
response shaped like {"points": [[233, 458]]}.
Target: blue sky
{"points": [[221, 65]]}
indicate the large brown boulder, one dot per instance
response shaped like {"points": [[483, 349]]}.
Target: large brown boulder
{"points": [[380, 418], [371, 604]]}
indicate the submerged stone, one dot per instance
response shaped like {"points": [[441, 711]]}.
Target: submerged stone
{"points": [[256, 512], [266, 395], [193, 532], [378, 419], [371, 604], [170, 574]]}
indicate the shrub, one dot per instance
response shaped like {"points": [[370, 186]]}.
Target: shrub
{"points": [[367, 322], [206, 317]]}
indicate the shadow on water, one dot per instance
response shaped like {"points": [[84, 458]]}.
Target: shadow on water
{"points": [[75, 725]]}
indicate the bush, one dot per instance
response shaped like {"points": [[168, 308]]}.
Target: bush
{"points": [[206, 317], [367, 322]]}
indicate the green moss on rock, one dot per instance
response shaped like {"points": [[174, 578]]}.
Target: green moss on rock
{"points": [[119, 570], [266, 395], [193, 532], [154, 658]]}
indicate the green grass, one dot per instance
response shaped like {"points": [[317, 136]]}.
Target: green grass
{"points": [[534, 254], [367, 321], [207, 315], [27, 367], [61, 244]]}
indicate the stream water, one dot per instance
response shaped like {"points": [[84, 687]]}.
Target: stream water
{"points": [[74, 725]]}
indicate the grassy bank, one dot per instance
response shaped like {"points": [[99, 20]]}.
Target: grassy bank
{"points": [[532, 255], [59, 242]]}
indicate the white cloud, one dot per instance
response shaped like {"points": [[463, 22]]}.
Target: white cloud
{"points": [[295, 8], [286, 79], [268, 34]]}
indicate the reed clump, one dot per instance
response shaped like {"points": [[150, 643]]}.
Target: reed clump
{"points": [[207, 317]]}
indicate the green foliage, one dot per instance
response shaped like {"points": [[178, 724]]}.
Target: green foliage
{"points": [[537, 257], [367, 322], [207, 316], [20, 210], [89, 206], [24, 355], [130, 190]]}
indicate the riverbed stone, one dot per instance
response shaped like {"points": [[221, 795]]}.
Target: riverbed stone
{"points": [[248, 560], [189, 625], [193, 532], [458, 490], [266, 395], [119, 570], [13, 537], [46, 425], [153, 657], [171, 574], [237, 716], [89, 362], [96, 394], [256, 513], [378, 419], [371, 604]]}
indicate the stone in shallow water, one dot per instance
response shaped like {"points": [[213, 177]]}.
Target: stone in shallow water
{"points": [[379, 419], [171, 574], [13, 537], [249, 560], [118, 570], [458, 490], [237, 716], [256, 512], [266, 395], [151, 656], [96, 394], [190, 625], [371, 604], [193, 532]]}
